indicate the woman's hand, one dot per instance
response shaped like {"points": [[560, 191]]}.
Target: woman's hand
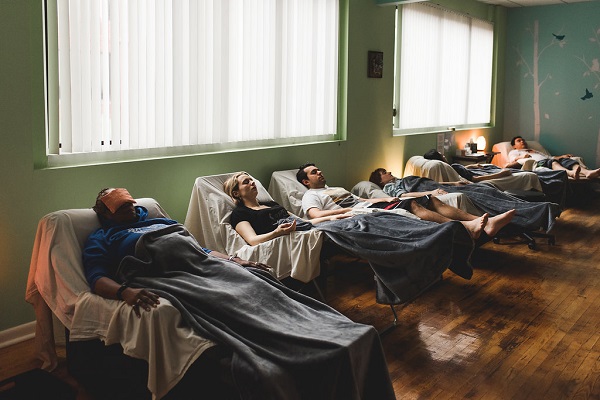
{"points": [[285, 229], [140, 298]]}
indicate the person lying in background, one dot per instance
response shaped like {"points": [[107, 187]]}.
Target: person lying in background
{"points": [[321, 200], [521, 152], [464, 171], [284, 344], [529, 215]]}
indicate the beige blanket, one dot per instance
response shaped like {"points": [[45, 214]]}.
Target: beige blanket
{"points": [[440, 171]]}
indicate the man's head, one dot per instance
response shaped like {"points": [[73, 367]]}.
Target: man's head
{"points": [[433, 154], [381, 177], [310, 176], [518, 143], [115, 204]]}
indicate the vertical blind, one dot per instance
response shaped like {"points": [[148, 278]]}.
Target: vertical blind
{"points": [[142, 74], [445, 76]]}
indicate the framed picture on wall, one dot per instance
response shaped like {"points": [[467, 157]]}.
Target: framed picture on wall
{"points": [[375, 64]]}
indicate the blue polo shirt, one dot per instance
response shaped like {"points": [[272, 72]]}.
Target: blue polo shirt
{"points": [[108, 245]]}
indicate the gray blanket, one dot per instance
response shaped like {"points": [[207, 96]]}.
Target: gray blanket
{"points": [[285, 345], [529, 216], [554, 183], [407, 255]]}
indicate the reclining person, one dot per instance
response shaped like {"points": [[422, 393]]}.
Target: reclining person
{"points": [[528, 216], [464, 171], [521, 152], [321, 200], [292, 346], [122, 225]]}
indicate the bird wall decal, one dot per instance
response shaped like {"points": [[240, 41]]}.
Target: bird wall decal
{"points": [[587, 95], [558, 37]]}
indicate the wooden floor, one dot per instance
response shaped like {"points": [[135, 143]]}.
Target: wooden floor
{"points": [[526, 326]]}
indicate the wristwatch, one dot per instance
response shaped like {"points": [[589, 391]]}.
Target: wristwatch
{"points": [[120, 291]]}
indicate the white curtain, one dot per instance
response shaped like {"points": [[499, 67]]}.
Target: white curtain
{"points": [[445, 69], [142, 74]]}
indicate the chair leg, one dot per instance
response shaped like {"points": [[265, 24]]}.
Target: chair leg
{"points": [[393, 325], [319, 292], [528, 238]]}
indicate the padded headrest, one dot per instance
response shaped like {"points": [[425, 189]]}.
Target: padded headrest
{"points": [[436, 170], [368, 190], [287, 191]]}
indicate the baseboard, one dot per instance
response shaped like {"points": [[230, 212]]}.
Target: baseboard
{"points": [[17, 334]]}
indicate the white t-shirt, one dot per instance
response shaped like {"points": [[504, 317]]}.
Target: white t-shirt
{"points": [[518, 155], [330, 198]]}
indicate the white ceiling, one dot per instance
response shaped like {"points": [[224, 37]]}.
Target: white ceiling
{"points": [[527, 3]]}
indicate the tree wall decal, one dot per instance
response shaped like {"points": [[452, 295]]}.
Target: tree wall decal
{"points": [[533, 70], [593, 71]]}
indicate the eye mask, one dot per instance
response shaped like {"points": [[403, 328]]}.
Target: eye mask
{"points": [[116, 199]]}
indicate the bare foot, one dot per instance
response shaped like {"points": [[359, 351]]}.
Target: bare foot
{"points": [[475, 226], [574, 173], [498, 222], [593, 174]]}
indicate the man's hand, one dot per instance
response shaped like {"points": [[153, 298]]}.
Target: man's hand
{"points": [[340, 216], [140, 298], [438, 192], [253, 264]]}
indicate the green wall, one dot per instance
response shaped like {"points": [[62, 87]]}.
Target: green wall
{"points": [[28, 194], [566, 68]]}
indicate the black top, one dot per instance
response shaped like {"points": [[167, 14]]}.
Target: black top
{"points": [[263, 220]]}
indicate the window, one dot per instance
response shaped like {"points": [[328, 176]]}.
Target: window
{"points": [[169, 74], [444, 71]]}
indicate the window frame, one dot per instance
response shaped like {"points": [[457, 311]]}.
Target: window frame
{"points": [[46, 155], [473, 14]]}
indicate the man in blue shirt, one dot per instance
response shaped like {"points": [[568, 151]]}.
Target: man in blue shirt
{"points": [[123, 223]]}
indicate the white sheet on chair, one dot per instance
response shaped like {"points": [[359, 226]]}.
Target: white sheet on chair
{"points": [[436, 170], [440, 171], [296, 255], [56, 284], [287, 191]]}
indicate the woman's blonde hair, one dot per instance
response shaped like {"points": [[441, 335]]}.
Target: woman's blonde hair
{"points": [[232, 185]]}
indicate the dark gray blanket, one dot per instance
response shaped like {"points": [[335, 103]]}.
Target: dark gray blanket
{"points": [[529, 216], [554, 183], [407, 255], [285, 345]]}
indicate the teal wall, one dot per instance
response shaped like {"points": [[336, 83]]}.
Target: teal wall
{"points": [[27, 194], [567, 67]]}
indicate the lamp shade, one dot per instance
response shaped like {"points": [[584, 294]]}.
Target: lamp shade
{"points": [[481, 143]]}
